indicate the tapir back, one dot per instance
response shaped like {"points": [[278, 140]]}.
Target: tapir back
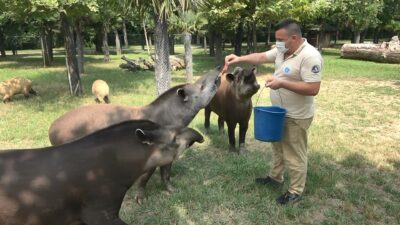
{"points": [[51, 185]]}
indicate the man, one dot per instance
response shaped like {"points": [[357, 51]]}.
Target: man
{"points": [[296, 81]]}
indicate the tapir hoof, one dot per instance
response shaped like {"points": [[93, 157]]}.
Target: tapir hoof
{"points": [[242, 149], [139, 197], [232, 149], [171, 188]]}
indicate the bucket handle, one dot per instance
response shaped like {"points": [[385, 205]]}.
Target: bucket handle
{"points": [[258, 98], [260, 94]]}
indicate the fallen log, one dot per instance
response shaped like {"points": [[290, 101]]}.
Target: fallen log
{"points": [[387, 52], [134, 65], [176, 63]]}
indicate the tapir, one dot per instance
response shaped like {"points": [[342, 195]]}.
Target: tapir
{"points": [[232, 103], [177, 106], [84, 181]]}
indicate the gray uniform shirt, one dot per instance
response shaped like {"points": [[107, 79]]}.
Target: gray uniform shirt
{"points": [[303, 65]]}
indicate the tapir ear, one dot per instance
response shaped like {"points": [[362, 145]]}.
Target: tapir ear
{"points": [[181, 93], [143, 137], [254, 70], [230, 77]]}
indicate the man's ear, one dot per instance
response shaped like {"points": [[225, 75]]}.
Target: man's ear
{"points": [[230, 77], [143, 137], [181, 93]]}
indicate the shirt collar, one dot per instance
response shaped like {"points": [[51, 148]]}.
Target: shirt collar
{"points": [[301, 47]]}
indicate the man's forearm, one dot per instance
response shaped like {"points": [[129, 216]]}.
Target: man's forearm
{"points": [[255, 58], [301, 87]]}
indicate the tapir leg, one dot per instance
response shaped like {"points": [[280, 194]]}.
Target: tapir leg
{"points": [[231, 135], [106, 99], [25, 91], [99, 217], [6, 98], [221, 122], [242, 136], [104, 210], [207, 113], [33, 92], [142, 181], [165, 177]]}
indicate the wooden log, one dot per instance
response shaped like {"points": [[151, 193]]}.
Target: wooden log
{"points": [[134, 65], [387, 52], [176, 63]]}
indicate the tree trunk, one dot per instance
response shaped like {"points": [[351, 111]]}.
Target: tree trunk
{"points": [[197, 39], [117, 43], [376, 35], [218, 48], [205, 43], [106, 50], [50, 44], [72, 63], [254, 31], [99, 39], [336, 36], [14, 46], [363, 35], [212, 43], [188, 56], [126, 44], [239, 39], [79, 45], [44, 44], [249, 38], [145, 37], [2, 47], [356, 36], [171, 39], [150, 42], [268, 34], [162, 64], [142, 42]]}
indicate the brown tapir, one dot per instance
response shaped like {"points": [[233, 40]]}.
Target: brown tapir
{"points": [[85, 181], [232, 103], [177, 106]]}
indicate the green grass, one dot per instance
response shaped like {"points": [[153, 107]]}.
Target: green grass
{"points": [[354, 154]]}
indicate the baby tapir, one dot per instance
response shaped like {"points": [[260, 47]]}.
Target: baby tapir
{"points": [[232, 103], [84, 182]]}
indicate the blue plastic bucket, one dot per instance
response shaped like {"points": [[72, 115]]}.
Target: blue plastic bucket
{"points": [[269, 122]]}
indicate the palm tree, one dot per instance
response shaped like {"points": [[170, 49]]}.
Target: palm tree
{"points": [[162, 10], [188, 22]]}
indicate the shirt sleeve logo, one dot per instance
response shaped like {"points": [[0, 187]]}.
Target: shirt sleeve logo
{"points": [[315, 69]]}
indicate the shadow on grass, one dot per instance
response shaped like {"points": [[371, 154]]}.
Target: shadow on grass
{"points": [[354, 180]]}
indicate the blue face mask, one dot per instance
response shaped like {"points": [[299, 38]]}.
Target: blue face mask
{"points": [[280, 46]]}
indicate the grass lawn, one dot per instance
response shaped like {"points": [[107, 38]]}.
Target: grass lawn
{"points": [[354, 144]]}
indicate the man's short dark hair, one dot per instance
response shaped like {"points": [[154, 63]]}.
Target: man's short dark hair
{"points": [[291, 25]]}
